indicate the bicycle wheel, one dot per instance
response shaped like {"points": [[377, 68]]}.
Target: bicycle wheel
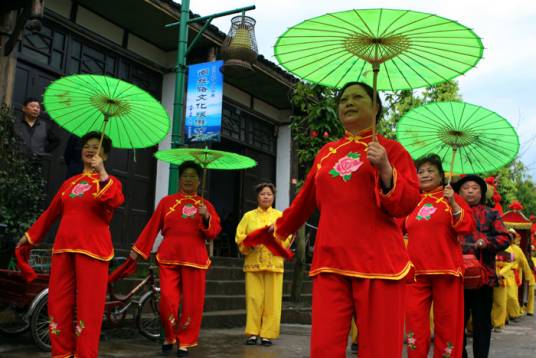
{"points": [[39, 324], [148, 316], [12, 320]]}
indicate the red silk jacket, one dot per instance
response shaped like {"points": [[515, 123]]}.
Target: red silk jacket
{"points": [[86, 210], [433, 244], [357, 233], [183, 229]]}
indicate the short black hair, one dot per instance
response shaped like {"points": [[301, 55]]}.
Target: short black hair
{"points": [[106, 141], [369, 90], [433, 159], [261, 186], [30, 99], [190, 164]]}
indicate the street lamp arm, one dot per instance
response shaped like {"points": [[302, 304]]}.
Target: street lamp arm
{"points": [[199, 33], [213, 16]]}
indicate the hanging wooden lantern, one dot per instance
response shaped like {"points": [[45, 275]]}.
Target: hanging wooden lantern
{"points": [[239, 49]]}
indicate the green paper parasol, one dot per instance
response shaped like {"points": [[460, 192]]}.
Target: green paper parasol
{"points": [[207, 158], [388, 49], [131, 117], [469, 139]]}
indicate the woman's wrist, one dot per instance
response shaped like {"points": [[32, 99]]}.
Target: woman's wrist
{"points": [[103, 175], [386, 176]]}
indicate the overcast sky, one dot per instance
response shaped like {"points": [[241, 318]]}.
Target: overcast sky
{"points": [[504, 80]]}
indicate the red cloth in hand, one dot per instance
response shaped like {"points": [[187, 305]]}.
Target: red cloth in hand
{"points": [[22, 255], [263, 237], [126, 269]]}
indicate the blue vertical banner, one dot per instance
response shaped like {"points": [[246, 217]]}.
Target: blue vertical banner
{"points": [[204, 102]]}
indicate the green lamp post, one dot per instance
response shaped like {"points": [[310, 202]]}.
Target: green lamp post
{"points": [[182, 52]]}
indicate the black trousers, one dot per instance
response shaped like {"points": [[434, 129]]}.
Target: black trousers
{"points": [[478, 305]]}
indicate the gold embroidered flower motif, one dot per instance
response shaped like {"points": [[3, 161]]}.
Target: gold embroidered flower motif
{"points": [[172, 320], [80, 189], [412, 341], [447, 353], [345, 166], [186, 323], [53, 326], [79, 328], [188, 211], [426, 212]]}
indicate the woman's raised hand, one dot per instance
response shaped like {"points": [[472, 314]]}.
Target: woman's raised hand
{"points": [[203, 211]]}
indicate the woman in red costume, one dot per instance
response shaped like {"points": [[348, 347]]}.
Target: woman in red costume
{"points": [[360, 263], [82, 248], [433, 229], [186, 220]]}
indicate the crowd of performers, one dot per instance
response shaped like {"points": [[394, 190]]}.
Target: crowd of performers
{"points": [[388, 253]]}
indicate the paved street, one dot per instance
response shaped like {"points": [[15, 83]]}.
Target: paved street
{"points": [[517, 340]]}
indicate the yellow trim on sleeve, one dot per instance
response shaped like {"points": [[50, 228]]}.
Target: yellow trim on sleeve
{"points": [[134, 248], [106, 187], [84, 252], [462, 214], [383, 276], [390, 192], [29, 238]]}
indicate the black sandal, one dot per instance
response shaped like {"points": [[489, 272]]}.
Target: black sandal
{"points": [[251, 341], [266, 342], [182, 352]]}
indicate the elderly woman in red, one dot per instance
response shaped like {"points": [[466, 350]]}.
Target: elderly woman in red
{"points": [[82, 248], [360, 186], [186, 220], [433, 229]]}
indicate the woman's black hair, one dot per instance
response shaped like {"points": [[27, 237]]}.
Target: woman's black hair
{"points": [[433, 159], [261, 186], [106, 141], [190, 164], [369, 90]]}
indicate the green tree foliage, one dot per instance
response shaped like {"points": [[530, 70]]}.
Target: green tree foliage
{"points": [[315, 121], [514, 183], [398, 103], [21, 180]]}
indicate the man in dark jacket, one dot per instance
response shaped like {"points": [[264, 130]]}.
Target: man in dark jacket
{"points": [[36, 133], [490, 237]]}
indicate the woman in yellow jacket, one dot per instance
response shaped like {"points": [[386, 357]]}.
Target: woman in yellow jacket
{"points": [[525, 273], [504, 264], [264, 271]]}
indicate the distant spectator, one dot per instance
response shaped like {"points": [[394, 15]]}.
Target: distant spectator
{"points": [[37, 134]]}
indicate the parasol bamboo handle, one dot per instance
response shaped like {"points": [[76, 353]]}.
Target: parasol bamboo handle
{"points": [[375, 71], [106, 118], [203, 182], [454, 149]]}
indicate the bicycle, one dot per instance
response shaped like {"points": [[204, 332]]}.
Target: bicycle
{"points": [[24, 306]]}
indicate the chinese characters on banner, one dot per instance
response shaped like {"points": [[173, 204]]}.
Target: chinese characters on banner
{"points": [[204, 102]]}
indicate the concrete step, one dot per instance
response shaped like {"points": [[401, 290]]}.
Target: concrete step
{"points": [[231, 287], [235, 302], [237, 318]]}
